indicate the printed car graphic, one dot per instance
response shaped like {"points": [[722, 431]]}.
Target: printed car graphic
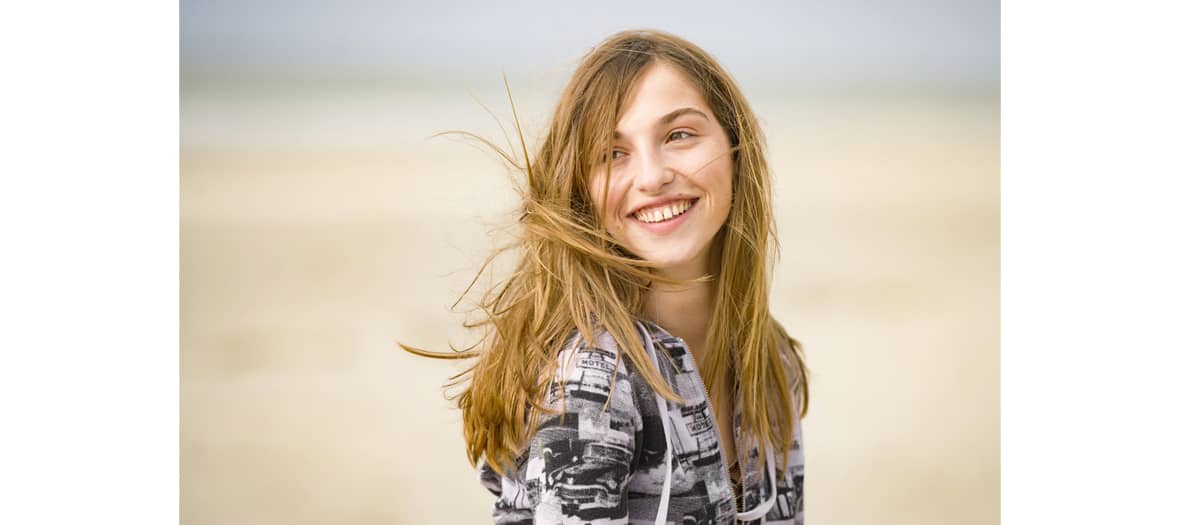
{"points": [[587, 474]]}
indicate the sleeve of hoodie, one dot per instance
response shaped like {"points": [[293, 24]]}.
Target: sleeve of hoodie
{"points": [[579, 462], [791, 491]]}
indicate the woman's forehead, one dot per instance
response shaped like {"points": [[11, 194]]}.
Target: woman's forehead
{"points": [[661, 96]]}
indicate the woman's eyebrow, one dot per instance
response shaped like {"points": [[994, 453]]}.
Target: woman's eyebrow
{"points": [[673, 115]]}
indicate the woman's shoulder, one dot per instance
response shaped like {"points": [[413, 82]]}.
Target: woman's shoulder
{"points": [[798, 375], [584, 446], [597, 351]]}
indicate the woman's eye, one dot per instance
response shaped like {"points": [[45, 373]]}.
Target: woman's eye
{"points": [[682, 134], [614, 155]]}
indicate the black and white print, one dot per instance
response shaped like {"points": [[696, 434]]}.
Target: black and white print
{"points": [[603, 460]]}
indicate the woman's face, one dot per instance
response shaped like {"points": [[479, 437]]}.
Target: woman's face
{"points": [[671, 182]]}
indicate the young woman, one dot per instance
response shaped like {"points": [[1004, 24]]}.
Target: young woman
{"points": [[630, 370]]}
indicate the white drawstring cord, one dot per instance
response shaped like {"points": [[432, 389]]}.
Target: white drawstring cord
{"points": [[666, 492], [761, 510]]}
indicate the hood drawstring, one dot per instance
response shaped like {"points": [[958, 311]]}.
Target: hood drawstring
{"points": [[761, 510], [666, 493]]}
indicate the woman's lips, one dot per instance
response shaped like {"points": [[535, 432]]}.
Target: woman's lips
{"points": [[663, 202], [665, 225]]}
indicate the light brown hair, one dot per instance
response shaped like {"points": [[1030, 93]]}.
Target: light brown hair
{"points": [[570, 275]]}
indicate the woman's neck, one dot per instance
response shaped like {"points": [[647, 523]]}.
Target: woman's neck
{"points": [[684, 311]]}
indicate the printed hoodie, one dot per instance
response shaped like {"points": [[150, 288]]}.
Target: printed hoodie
{"points": [[610, 466]]}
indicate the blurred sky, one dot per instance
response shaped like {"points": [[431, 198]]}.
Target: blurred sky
{"points": [[948, 43]]}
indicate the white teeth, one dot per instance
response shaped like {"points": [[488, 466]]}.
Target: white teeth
{"points": [[663, 213]]}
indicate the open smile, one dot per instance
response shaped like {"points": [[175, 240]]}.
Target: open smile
{"points": [[665, 216]]}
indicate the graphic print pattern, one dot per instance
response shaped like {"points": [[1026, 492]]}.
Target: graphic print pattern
{"points": [[603, 461]]}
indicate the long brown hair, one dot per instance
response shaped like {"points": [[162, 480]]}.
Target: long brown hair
{"points": [[570, 275]]}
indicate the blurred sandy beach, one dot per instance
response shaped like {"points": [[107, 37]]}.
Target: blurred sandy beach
{"points": [[318, 227]]}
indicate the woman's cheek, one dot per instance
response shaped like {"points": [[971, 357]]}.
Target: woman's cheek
{"points": [[616, 220], [596, 191], [606, 205], [700, 158], [613, 200], [614, 196]]}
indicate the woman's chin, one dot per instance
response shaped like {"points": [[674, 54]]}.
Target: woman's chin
{"points": [[681, 265]]}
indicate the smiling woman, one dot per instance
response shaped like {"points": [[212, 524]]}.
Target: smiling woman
{"points": [[673, 175], [630, 370]]}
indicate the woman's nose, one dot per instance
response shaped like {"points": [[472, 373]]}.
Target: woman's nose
{"points": [[654, 174]]}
